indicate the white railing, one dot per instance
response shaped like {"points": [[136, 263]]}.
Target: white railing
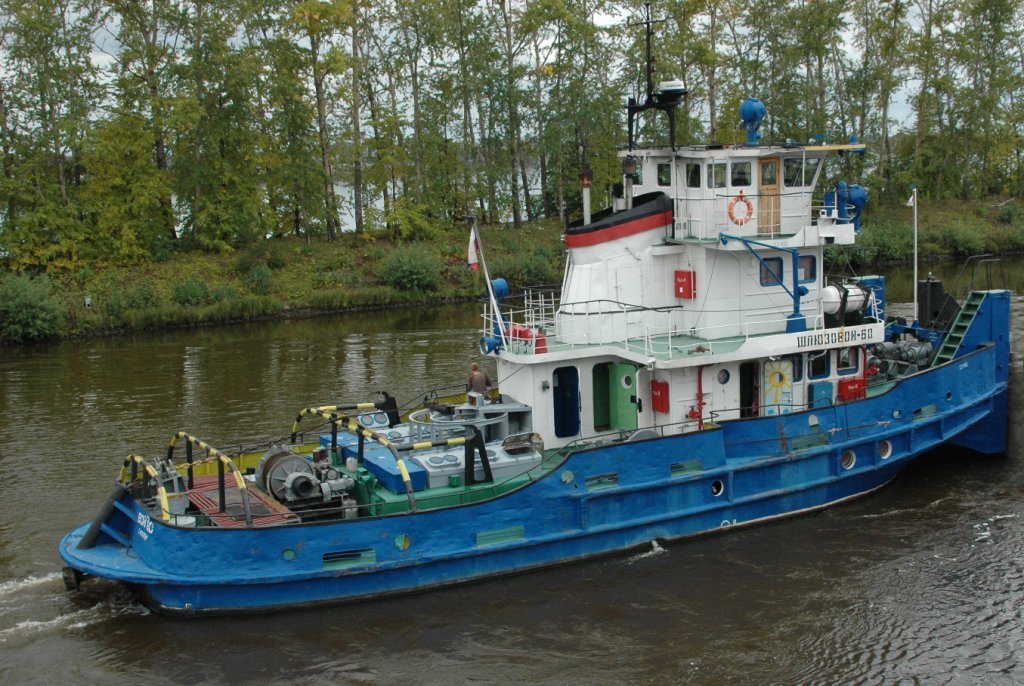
{"points": [[705, 218]]}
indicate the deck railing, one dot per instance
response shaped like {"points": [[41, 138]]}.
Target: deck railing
{"points": [[545, 325]]}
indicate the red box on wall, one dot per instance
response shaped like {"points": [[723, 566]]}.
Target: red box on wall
{"points": [[852, 389], [659, 396], [686, 285]]}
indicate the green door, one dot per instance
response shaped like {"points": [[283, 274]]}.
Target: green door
{"points": [[622, 391]]}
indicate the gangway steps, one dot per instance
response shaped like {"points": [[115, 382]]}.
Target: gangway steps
{"points": [[951, 344]]}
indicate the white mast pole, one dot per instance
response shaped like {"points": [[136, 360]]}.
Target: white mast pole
{"points": [[913, 201], [487, 278]]}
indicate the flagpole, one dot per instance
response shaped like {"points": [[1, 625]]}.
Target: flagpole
{"points": [[487, 277], [913, 199]]}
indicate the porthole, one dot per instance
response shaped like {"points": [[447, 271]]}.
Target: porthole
{"points": [[567, 477], [402, 541], [717, 488], [627, 381], [896, 414], [723, 376], [849, 459], [288, 554], [949, 395], [885, 450]]}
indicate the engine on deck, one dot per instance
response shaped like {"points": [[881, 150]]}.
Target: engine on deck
{"points": [[302, 483], [899, 358]]}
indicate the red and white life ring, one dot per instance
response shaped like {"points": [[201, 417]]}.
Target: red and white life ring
{"points": [[740, 221]]}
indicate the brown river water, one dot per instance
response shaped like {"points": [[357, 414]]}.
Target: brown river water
{"points": [[922, 582]]}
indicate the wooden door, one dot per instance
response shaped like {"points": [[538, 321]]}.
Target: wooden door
{"points": [[769, 211]]}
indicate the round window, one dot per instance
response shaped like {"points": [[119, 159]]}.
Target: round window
{"points": [[723, 376], [849, 459]]}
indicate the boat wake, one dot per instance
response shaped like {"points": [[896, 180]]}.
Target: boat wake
{"points": [[15, 586], [985, 528], [39, 604], [656, 549], [72, 620]]}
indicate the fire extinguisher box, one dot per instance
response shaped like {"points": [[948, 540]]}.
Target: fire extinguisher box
{"points": [[659, 396], [686, 285]]}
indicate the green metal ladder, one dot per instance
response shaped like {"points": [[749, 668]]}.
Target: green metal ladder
{"points": [[961, 324]]}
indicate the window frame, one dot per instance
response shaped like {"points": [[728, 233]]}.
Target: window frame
{"points": [[814, 268], [690, 167], [763, 267], [732, 174], [666, 181], [811, 359]]}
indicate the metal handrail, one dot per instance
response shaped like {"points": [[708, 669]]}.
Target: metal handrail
{"points": [[222, 462]]}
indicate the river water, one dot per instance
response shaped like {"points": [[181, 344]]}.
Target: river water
{"points": [[922, 582]]}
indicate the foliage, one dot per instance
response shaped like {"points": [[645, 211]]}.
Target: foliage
{"points": [[259, 280], [29, 309], [190, 292], [413, 268]]}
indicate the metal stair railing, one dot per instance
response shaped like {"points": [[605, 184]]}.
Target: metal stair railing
{"points": [[955, 335]]}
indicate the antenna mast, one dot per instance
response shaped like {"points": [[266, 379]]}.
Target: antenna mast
{"points": [[669, 95]]}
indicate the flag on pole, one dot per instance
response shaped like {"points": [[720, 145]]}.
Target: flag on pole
{"points": [[912, 201], [471, 259]]}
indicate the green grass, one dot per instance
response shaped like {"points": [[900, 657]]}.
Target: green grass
{"points": [[287, 275]]}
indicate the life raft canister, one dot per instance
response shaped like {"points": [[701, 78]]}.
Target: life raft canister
{"points": [[748, 213]]}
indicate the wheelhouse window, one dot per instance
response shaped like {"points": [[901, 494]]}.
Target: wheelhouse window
{"points": [[798, 172], [664, 174], [716, 175], [807, 269], [818, 366], [693, 175], [771, 271], [847, 361], [811, 170], [793, 172], [740, 174]]}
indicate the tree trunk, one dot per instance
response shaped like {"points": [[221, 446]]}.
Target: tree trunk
{"points": [[357, 141], [330, 204]]}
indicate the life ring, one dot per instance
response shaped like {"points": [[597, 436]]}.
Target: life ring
{"points": [[740, 221]]}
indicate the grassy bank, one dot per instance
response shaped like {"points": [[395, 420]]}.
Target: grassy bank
{"points": [[287, 277], [945, 229], [281, 277]]}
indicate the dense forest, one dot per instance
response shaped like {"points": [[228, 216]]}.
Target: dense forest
{"points": [[133, 128]]}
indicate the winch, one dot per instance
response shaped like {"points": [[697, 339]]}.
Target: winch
{"points": [[299, 482]]}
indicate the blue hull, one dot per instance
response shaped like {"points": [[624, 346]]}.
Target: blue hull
{"points": [[598, 501]]}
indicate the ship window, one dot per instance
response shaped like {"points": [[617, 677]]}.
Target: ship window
{"points": [[769, 172], [847, 361], [716, 175], [664, 174], [818, 365], [810, 170], [771, 271], [602, 398], [740, 174], [793, 171], [807, 267], [693, 175], [798, 367], [799, 172]]}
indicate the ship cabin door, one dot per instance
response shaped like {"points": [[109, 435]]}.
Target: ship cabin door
{"points": [[616, 403], [566, 398], [750, 389], [777, 387], [769, 218]]}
